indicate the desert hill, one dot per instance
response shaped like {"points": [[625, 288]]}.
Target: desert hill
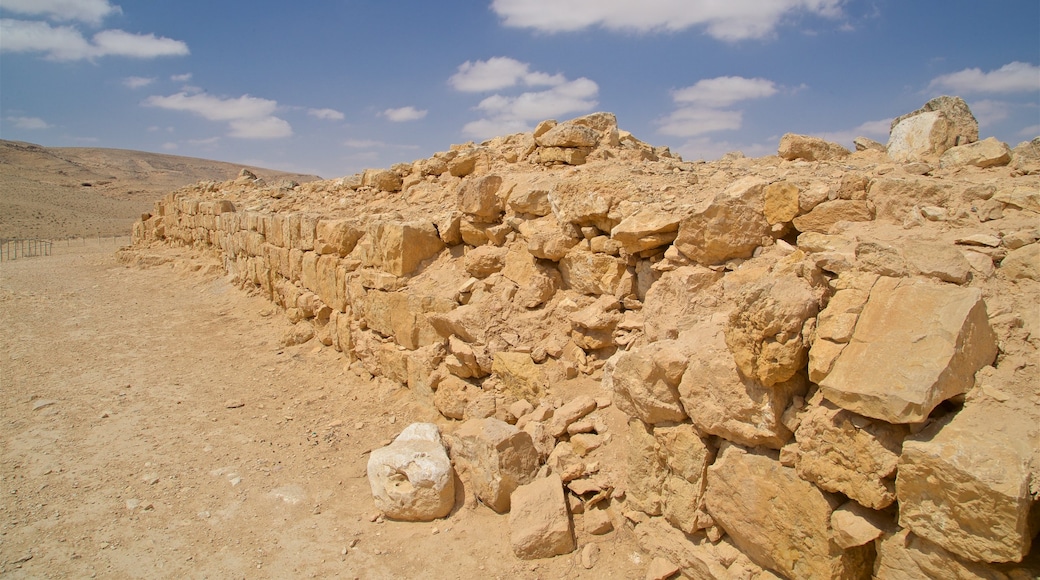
{"points": [[56, 192]]}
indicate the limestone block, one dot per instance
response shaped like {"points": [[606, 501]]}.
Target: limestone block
{"points": [[398, 248], [519, 374], [565, 155], [479, 198], [536, 282], [453, 395], [696, 556], [547, 239], [592, 327], [468, 322], [465, 162], [780, 202], [674, 302], [947, 122], [499, 458], [570, 412], [854, 525], [940, 261], [646, 229], [684, 452], [731, 225], [336, 236], [825, 215], [681, 503], [809, 148], [589, 273], [904, 556], [531, 198], [646, 471], [483, 261], [847, 453], [779, 520], [916, 344], [1023, 263], [539, 522], [642, 385], [720, 401], [574, 203], [1027, 198], [986, 153], [412, 478], [568, 134], [764, 330], [382, 179], [966, 487]]}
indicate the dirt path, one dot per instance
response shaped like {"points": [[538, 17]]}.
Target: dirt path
{"points": [[125, 452]]}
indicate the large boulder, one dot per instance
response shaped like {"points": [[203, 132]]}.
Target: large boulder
{"points": [[915, 345], [928, 132], [809, 148], [498, 458], [731, 225], [412, 478], [646, 229], [645, 382], [479, 198], [986, 153]]}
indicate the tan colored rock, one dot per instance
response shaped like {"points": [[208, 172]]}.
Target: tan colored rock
{"points": [[720, 401], [854, 525], [382, 179], [479, 198], [843, 452], [764, 331], [453, 395], [868, 144], [597, 521], [729, 226], [412, 478], [536, 282], [564, 155], [809, 148], [904, 556], [779, 520], [592, 327], [941, 261], [531, 198], [986, 153], [1023, 263], [646, 471], [564, 461], [697, 556], [966, 487], [676, 300], [574, 203], [539, 522], [546, 239], [823, 217], [781, 202], [645, 382], [336, 236], [661, 569], [398, 248], [568, 135], [570, 412], [483, 261], [942, 123], [647, 228], [589, 273], [499, 458], [520, 376], [915, 345], [466, 162]]}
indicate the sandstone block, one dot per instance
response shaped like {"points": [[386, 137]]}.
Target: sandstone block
{"points": [[336, 236], [499, 458], [986, 153], [916, 344], [809, 148], [453, 395], [536, 282], [854, 525], [539, 522], [574, 203], [781, 202], [568, 134], [646, 471], [846, 453], [940, 261], [825, 215], [531, 198], [398, 248], [647, 228], [729, 226], [779, 520], [412, 478], [642, 385], [382, 179], [483, 261], [966, 487]]}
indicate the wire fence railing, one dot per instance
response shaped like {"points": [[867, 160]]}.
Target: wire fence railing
{"points": [[16, 248]]}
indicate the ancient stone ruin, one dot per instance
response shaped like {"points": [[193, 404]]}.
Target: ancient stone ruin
{"points": [[825, 361]]}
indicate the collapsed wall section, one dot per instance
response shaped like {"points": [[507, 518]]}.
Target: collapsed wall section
{"points": [[796, 363]]}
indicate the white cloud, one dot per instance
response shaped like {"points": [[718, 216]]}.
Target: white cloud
{"points": [[67, 43], [1031, 131], [499, 72], [988, 111], [1014, 77], [704, 105], [29, 123], [181, 78], [724, 91], [506, 114], [877, 130], [326, 114], [89, 11], [170, 146], [249, 117], [137, 82], [404, 114], [728, 20]]}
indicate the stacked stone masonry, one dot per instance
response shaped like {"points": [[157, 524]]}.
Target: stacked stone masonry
{"points": [[828, 358]]}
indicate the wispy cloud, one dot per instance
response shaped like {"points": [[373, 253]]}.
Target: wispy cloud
{"points": [[326, 114], [66, 43], [404, 114], [248, 117], [730, 21], [137, 82], [29, 123], [88, 11], [505, 113], [1014, 77], [704, 106], [182, 78], [1031, 131]]}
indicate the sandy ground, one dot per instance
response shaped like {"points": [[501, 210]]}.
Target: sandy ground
{"points": [[152, 427]]}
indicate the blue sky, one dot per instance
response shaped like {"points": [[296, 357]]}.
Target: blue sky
{"points": [[333, 86]]}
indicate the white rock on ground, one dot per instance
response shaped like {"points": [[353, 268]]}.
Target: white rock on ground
{"points": [[412, 478]]}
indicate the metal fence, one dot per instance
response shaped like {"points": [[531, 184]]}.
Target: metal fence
{"points": [[15, 248]]}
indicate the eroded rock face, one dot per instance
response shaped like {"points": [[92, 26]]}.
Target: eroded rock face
{"points": [[412, 478]]}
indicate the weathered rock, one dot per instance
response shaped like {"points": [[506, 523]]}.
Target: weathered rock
{"points": [[904, 556], [697, 556], [843, 452], [941, 261], [574, 203], [823, 217], [646, 471], [661, 569], [915, 345], [336, 236], [781, 202], [539, 522], [647, 228], [520, 376], [547, 239], [564, 461], [720, 401], [967, 486], [592, 327], [484, 261], [779, 520], [498, 456], [764, 330], [1023, 263], [398, 248], [986, 153], [868, 144], [729, 226], [589, 273], [536, 281], [809, 148], [674, 302], [942, 123], [645, 382], [531, 198], [479, 198], [382, 179], [854, 525], [412, 478], [568, 135], [570, 412]]}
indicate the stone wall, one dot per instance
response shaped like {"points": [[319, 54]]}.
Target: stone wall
{"points": [[827, 359]]}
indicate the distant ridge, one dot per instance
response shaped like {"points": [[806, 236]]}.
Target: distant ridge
{"points": [[56, 192]]}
